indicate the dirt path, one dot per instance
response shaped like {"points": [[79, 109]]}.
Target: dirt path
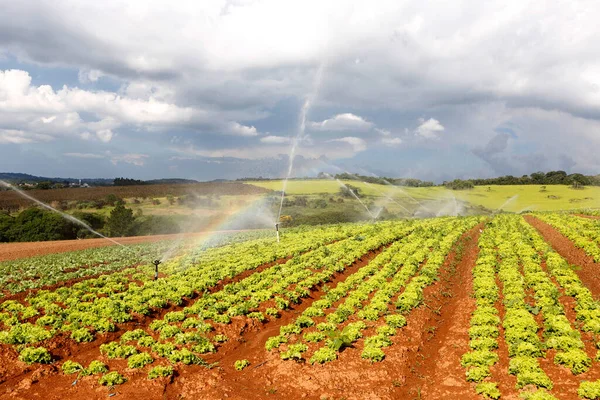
{"points": [[587, 269], [587, 216], [438, 374], [13, 251]]}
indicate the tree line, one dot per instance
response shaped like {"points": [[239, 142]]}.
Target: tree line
{"points": [[35, 224], [537, 178]]}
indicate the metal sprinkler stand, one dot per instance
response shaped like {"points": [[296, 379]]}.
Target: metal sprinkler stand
{"points": [[277, 230], [156, 264]]}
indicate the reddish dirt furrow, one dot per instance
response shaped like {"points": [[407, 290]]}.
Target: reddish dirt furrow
{"points": [[506, 382], [247, 338], [439, 374], [565, 383], [12, 371], [587, 269], [587, 216]]}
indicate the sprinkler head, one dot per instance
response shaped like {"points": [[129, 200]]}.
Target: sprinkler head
{"points": [[156, 262], [277, 227]]}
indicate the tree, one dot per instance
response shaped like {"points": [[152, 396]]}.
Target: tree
{"points": [[6, 224], [347, 191], [44, 185], [121, 221], [36, 225]]}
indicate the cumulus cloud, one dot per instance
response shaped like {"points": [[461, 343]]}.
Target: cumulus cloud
{"points": [[356, 143], [132, 158], [87, 76], [342, 122], [14, 136], [391, 141], [429, 129], [22, 103], [85, 155], [223, 71], [275, 139], [238, 129]]}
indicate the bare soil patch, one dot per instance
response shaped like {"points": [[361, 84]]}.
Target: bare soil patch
{"points": [[587, 269]]}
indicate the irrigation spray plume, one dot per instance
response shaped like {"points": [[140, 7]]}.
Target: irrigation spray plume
{"points": [[356, 197], [62, 214], [387, 197], [300, 134], [516, 196]]}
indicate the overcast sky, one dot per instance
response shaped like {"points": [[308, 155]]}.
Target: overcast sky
{"points": [[217, 89]]}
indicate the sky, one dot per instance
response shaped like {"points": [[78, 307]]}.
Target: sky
{"points": [[433, 90]]}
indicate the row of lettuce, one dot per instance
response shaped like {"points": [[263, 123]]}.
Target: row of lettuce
{"points": [[375, 299], [99, 305], [36, 272], [516, 277]]}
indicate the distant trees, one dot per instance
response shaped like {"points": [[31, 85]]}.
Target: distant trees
{"points": [[34, 225], [541, 178], [459, 184], [120, 222], [127, 182], [347, 190]]}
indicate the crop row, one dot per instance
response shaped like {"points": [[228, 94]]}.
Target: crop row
{"points": [[97, 305], [339, 318], [512, 254], [182, 335], [583, 232], [35, 272]]}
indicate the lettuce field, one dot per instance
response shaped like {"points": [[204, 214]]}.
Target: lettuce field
{"points": [[502, 306]]}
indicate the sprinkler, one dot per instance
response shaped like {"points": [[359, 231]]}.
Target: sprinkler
{"points": [[156, 264], [277, 230]]}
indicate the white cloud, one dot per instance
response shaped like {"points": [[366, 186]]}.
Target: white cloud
{"points": [[87, 76], [342, 122], [105, 135], [49, 119], [391, 141], [357, 143], [238, 129], [132, 158], [21, 104], [429, 129], [14, 136], [275, 139], [84, 155]]}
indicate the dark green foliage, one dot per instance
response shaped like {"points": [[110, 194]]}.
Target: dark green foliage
{"points": [[121, 221], [34, 224]]}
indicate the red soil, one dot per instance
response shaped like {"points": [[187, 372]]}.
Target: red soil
{"points": [[13, 251], [587, 269], [434, 370], [565, 383], [588, 216], [424, 360]]}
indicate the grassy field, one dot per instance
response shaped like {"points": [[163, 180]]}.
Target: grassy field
{"points": [[512, 198]]}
